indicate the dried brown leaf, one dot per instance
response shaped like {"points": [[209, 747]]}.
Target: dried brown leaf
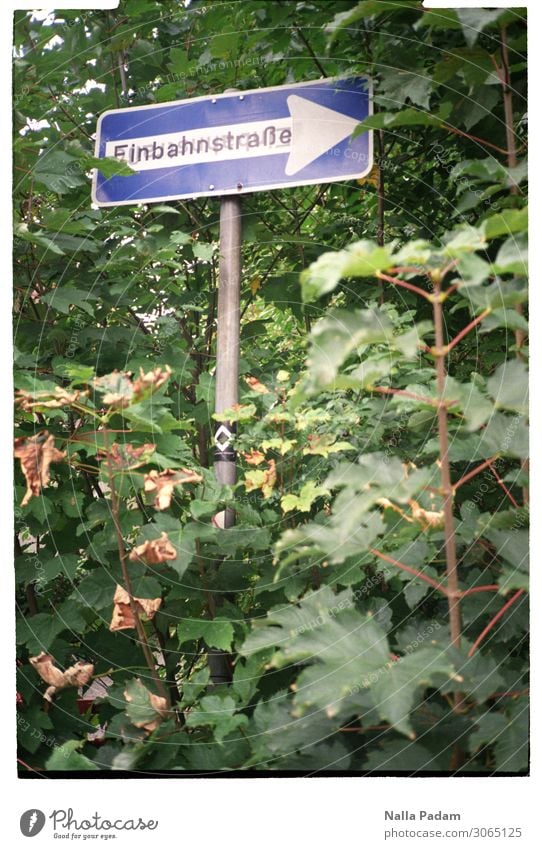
{"points": [[151, 380], [123, 616], [74, 676], [36, 453], [127, 456], [427, 518], [255, 385], [163, 484], [117, 388], [154, 551], [28, 401], [253, 457]]}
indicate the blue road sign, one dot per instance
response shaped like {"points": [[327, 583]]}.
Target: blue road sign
{"points": [[234, 143]]}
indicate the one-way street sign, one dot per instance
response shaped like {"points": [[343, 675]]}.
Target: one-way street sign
{"points": [[238, 142]]}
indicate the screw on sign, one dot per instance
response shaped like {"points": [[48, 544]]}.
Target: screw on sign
{"points": [[227, 145]]}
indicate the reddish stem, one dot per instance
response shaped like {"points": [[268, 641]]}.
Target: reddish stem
{"points": [[511, 693], [445, 271], [481, 589], [474, 138], [494, 621], [381, 276], [440, 587], [468, 328], [386, 390], [474, 472], [451, 289], [503, 486], [407, 269]]}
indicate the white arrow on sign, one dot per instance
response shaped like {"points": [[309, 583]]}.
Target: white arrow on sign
{"points": [[306, 134], [315, 129]]}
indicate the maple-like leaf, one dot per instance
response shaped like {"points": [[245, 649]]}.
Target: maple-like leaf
{"points": [[75, 676], [263, 479], [145, 709], [36, 453], [254, 384], [154, 551], [163, 484], [123, 616], [117, 388], [124, 457], [151, 380], [60, 397], [253, 457], [325, 444]]}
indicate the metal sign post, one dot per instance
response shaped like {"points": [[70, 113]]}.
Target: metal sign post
{"points": [[227, 374], [227, 346]]}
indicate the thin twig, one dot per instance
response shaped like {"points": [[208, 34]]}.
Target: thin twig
{"points": [[313, 55], [503, 485], [474, 472], [440, 587], [403, 284], [494, 621], [467, 329]]}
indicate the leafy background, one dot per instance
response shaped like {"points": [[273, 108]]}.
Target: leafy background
{"points": [[331, 601]]}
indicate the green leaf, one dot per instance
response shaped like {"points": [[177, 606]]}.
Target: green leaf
{"points": [[397, 86], [67, 757], [362, 259], [400, 756], [38, 632], [62, 299], [304, 501], [59, 172], [37, 238], [511, 544], [475, 21], [409, 117], [365, 9], [203, 251], [139, 708], [109, 166], [336, 336], [217, 633], [464, 241], [509, 386], [512, 744], [513, 256], [218, 712], [239, 413], [506, 222], [395, 687], [509, 734], [348, 654], [473, 270]]}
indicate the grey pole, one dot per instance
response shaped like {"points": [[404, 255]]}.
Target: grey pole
{"points": [[227, 372], [227, 350]]}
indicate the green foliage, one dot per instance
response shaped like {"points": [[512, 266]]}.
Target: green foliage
{"points": [[329, 595]]}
